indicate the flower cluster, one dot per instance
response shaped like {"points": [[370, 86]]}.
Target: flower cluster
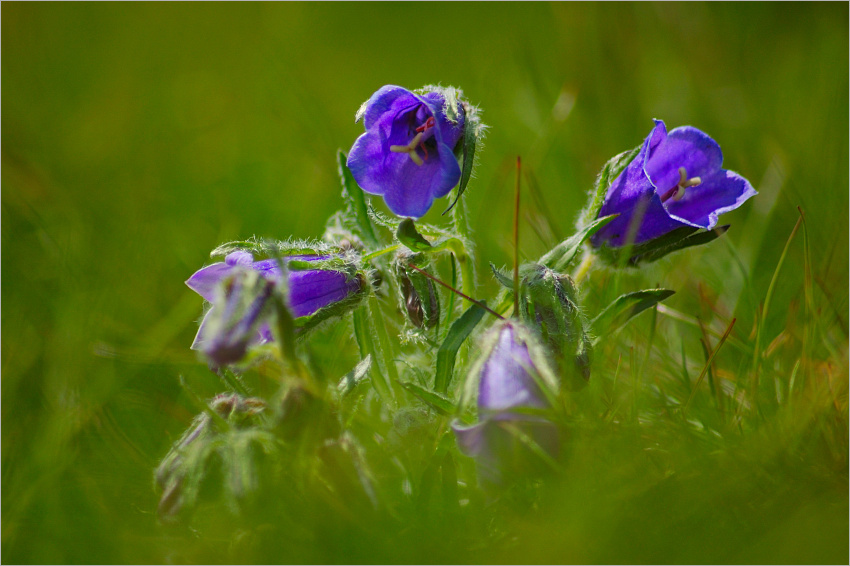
{"points": [[385, 275]]}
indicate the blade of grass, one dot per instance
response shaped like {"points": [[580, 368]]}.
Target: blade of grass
{"points": [[757, 354], [707, 365]]}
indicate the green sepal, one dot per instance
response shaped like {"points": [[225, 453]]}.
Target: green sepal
{"points": [[653, 250], [436, 401], [473, 133], [505, 280], [560, 257], [356, 211], [458, 332], [452, 97], [406, 234], [610, 171], [626, 307]]}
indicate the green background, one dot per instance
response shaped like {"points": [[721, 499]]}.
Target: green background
{"points": [[137, 137]]}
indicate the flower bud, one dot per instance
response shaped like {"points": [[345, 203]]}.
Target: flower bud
{"points": [[181, 473], [417, 293], [515, 385], [550, 305]]}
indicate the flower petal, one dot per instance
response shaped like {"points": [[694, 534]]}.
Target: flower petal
{"points": [[719, 193], [198, 343], [204, 281], [311, 290], [633, 196], [685, 147], [416, 186], [366, 161], [506, 381], [387, 99], [449, 133], [471, 439]]}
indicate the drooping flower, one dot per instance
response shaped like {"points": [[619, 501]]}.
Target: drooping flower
{"points": [[407, 153], [308, 290], [675, 181], [511, 377], [244, 307]]}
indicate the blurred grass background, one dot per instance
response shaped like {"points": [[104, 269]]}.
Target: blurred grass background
{"points": [[137, 137]]}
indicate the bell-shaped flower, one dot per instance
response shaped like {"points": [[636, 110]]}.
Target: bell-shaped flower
{"points": [[309, 292], [675, 181], [407, 153], [244, 299], [515, 385]]}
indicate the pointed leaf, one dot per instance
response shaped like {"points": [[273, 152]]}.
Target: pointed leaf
{"points": [[459, 331], [353, 378], [407, 235], [355, 202], [505, 280], [694, 239], [472, 132], [559, 257], [626, 307], [434, 400], [606, 177]]}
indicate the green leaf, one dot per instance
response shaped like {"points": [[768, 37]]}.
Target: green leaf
{"points": [[434, 400], [505, 280], [559, 257], [606, 177], [626, 307], [459, 331], [694, 239], [355, 202], [407, 235], [353, 378], [367, 341], [472, 133]]}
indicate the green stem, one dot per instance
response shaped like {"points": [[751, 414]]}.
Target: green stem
{"points": [[583, 268], [378, 253]]}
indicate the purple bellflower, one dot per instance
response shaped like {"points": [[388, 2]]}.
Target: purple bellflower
{"points": [[509, 379], [309, 291], [407, 153], [244, 307], [675, 181]]}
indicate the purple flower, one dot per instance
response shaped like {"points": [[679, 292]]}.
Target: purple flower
{"points": [[509, 391], [406, 154], [244, 307], [675, 181], [309, 290]]}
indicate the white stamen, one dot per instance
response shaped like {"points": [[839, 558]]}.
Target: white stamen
{"points": [[410, 149]]}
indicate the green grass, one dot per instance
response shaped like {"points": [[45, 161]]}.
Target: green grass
{"points": [[136, 138]]}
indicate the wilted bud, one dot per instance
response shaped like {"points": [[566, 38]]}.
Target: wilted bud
{"points": [[181, 473], [550, 305], [418, 294], [515, 386]]}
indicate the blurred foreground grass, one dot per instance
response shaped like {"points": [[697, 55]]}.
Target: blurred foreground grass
{"points": [[137, 137]]}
